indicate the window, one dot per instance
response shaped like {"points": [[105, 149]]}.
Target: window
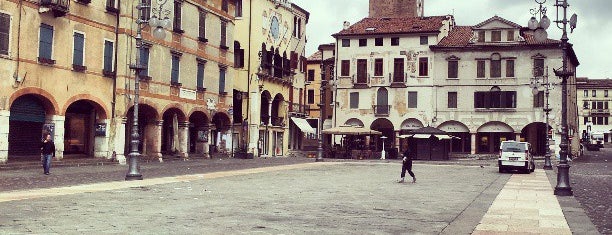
{"points": [[481, 36], [605, 93], [586, 93], [378, 67], [224, 5], [363, 42], [510, 68], [177, 17], [495, 99], [111, 4], [345, 68], [496, 36], [412, 99], [538, 100], [496, 68], [378, 42], [238, 8], [311, 75], [108, 56], [299, 28], [452, 99], [346, 42], [200, 75], [586, 120], [362, 71], [424, 40], [594, 93], [480, 68], [585, 105], [538, 67], [79, 49], [238, 55], [223, 43], [423, 67], [145, 12], [510, 36], [398, 70], [395, 41], [453, 67], [5, 25], [174, 75], [202, 27], [45, 49], [354, 100], [311, 96], [144, 61], [222, 71]]}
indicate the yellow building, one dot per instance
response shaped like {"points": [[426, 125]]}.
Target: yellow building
{"points": [[272, 78], [53, 58], [323, 58], [185, 88]]}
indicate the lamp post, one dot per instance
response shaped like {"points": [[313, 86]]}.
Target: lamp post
{"points": [[563, 185], [158, 32], [547, 109], [382, 153]]}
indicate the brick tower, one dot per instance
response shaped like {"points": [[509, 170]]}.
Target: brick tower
{"points": [[396, 8]]}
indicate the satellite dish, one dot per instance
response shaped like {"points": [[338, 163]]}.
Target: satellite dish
{"points": [[573, 21]]}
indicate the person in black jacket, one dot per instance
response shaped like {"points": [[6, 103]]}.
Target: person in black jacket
{"points": [[47, 148], [407, 166]]}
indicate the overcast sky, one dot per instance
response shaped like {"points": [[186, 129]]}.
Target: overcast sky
{"points": [[592, 38]]}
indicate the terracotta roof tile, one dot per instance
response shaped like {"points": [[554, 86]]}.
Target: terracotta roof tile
{"points": [[371, 26], [460, 36], [494, 18], [317, 56]]}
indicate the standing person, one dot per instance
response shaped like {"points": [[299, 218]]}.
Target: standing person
{"points": [[47, 148], [407, 166]]}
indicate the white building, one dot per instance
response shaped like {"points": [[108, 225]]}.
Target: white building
{"points": [[593, 106]]}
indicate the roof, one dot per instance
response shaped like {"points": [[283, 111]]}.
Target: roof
{"points": [[317, 56], [460, 36], [582, 82], [376, 26], [497, 18]]}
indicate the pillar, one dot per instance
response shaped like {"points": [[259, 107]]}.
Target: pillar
{"points": [[183, 135], [518, 137], [119, 140], [153, 134], [254, 121], [101, 146], [4, 132], [473, 144], [58, 137], [270, 150]]}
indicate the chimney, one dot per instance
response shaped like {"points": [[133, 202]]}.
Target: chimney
{"points": [[395, 8], [346, 25]]}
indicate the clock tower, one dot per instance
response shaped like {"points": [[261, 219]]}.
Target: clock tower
{"points": [[396, 8]]}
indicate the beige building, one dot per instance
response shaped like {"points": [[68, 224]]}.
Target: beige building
{"points": [[320, 66], [272, 78], [593, 107], [56, 60]]}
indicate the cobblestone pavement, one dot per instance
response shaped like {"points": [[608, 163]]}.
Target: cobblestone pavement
{"points": [[591, 182], [327, 198]]}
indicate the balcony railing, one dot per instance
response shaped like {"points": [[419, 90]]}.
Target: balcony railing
{"points": [[381, 110], [58, 7], [599, 112], [300, 109], [398, 79], [278, 121]]}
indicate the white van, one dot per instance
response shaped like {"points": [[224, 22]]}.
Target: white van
{"points": [[514, 155]]}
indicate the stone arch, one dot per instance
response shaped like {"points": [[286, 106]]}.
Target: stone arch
{"points": [[411, 124], [495, 126], [47, 100], [463, 142], [354, 122], [490, 135], [535, 134], [95, 101], [154, 108], [179, 110], [453, 126]]}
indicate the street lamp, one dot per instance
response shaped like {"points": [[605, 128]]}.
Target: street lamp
{"points": [[563, 185], [159, 33], [382, 153], [535, 91]]}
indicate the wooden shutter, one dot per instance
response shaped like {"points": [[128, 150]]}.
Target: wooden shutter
{"points": [[294, 60], [45, 49], [79, 44], [108, 56], [5, 25]]}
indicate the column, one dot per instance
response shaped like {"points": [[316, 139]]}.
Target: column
{"points": [[518, 136], [58, 137], [269, 144], [119, 140], [206, 144], [473, 144], [4, 131], [101, 146], [153, 135], [254, 120], [183, 133]]}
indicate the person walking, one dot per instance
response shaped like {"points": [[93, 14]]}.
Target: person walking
{"points": [[407, 166], [47, 148]]}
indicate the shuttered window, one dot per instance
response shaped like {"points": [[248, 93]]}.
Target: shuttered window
{"points": [[480, 68], [177, 15], [174, 77], [362, 71], [79, 49], [452, 100], [345, 68], [200, 75], [510, 68], [412, 99], [202, 25], [144, 61], [354, 100], [223, 42], [45, 46], [108, 56], [453, 69], [222, 79], [5, 25]]}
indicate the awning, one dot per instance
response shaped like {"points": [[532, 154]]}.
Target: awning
{"points": [[303, 125], [426, 136], [351, 130]]}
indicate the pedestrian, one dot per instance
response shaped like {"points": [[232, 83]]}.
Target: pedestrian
{"points": [[407, 166], [47, 148]]}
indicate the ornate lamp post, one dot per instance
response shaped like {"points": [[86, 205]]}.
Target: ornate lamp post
{"points": [[563, 185], [158, 32], [547, 109]]}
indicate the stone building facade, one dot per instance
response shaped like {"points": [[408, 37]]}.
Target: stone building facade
{"points": [[594, 103]]}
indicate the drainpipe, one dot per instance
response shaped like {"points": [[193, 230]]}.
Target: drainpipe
{"points": [[16, 75], [113, 103]]}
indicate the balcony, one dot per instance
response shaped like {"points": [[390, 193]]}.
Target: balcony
{"points": [[278, 121], [381, 110], [58, 7], [604, 112], [299, 110], [361, 81], [398, 79]]}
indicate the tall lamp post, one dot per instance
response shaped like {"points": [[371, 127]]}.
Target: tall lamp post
{"points": [[547, 109], [157, 28], [563, 185]]}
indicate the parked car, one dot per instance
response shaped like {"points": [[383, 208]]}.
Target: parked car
{"points": [[514, 155]]}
